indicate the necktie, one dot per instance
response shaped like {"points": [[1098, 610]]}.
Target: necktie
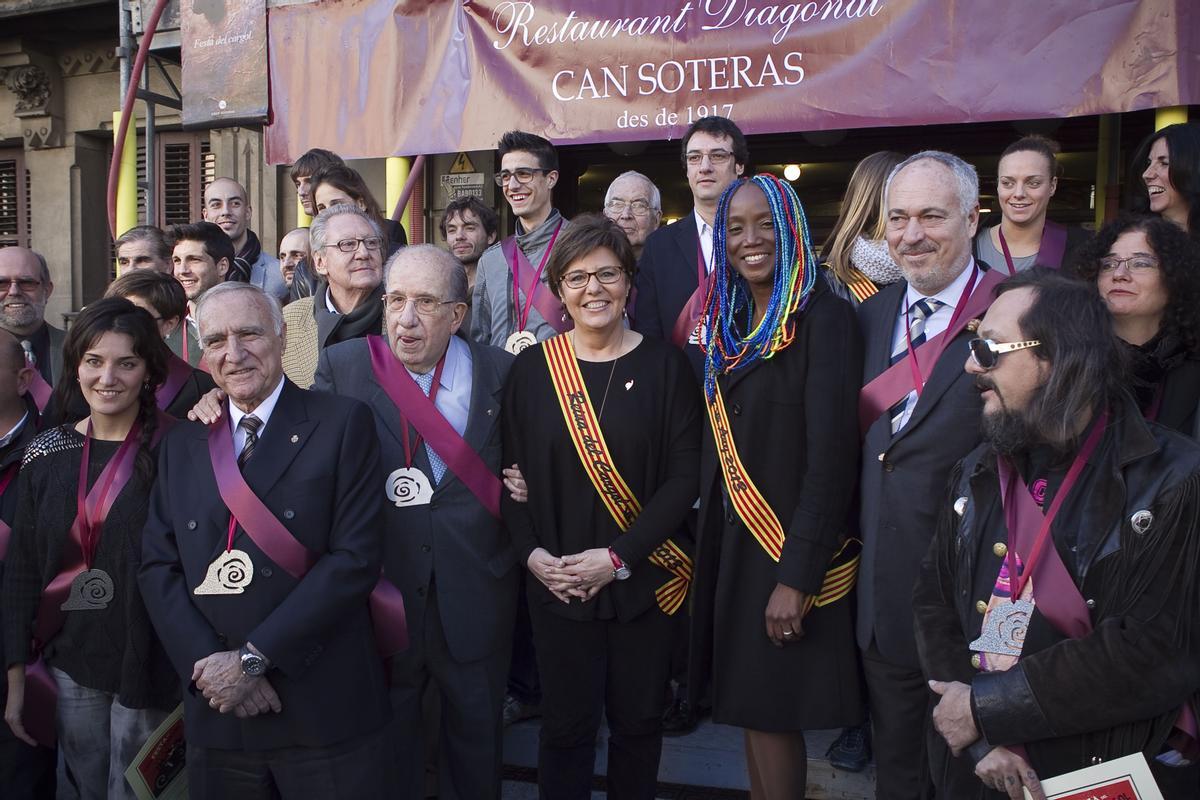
{"points": [[435, 461], [918, 313], [251, 425], [30, 358]]}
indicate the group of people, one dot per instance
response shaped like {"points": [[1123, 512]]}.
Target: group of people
{"points": [[357, 507]]}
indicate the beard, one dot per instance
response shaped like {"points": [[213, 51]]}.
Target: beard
{"points": [[1009, 433]]}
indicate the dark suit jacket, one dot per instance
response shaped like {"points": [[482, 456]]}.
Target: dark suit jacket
{"points": [[314, 468], [904, 478], [666, 279], [10, 455], [453, 539]]}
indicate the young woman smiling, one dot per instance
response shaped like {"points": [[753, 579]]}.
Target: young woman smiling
{"points": [[1168, 162], [71, 579]]}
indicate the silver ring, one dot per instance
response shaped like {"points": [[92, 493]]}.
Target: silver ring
{"points": [[789, 633]]}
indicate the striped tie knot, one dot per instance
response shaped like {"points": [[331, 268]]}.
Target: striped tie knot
{"points": [[251, 425]]}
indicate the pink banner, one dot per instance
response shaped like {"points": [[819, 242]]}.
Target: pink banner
{"points": [[405, 77]]}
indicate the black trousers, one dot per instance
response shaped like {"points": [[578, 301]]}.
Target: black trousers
{"points": [[26, 773], [470, 739], [595, 668], [899, 699], [523, 681], [362, 768]]}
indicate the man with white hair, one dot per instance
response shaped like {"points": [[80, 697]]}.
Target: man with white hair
{"points": [[635, 204], [436, 401], [915, 432]]}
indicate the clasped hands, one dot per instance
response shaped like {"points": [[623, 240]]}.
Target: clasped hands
{"points": [[220, 678], [580, 575], [1001, 769]]}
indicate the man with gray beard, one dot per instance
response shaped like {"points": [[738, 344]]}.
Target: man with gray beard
{"points": [[25, 286], [914, 433]]}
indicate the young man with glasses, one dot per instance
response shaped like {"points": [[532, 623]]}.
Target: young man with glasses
{"points": [[25, 287], [634, 203], [676, 260], [347, 253], [512, 306]]}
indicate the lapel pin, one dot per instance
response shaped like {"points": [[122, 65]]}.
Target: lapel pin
{"points": [[629, 384], [489, 412], [295, 438]]}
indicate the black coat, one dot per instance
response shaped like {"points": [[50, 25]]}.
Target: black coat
{"points": [[1116, 690], [794, 420], [316, 468], [666, 279]]}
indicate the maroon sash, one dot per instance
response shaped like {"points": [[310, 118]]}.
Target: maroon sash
{"points": [[1051, 248], [39, 390], [439, 434], [178, 372], [276, 541], [689, 315], [894, 383], [540, 296], [1054, 591]]}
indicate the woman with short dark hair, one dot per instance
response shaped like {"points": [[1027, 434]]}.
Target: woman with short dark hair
{"points": [[604, 423], [71, 577]]}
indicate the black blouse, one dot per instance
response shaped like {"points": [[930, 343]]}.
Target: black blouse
{"points": [[649, 409], [113, 649]]}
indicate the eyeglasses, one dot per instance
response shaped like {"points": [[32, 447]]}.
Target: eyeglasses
{"points": [[718, 158], [26, 285], [372, 243], [1132, 264], [639, 208], [577, 279], [522, 174], [986, 353], [426, 306]]}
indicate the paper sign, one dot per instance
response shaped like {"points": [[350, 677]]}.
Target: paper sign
{"points": [[157, 772], [1125, 778]]}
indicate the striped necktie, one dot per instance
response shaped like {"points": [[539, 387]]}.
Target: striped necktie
{"points": [[919, 312], [435, 461], [251, 425]]}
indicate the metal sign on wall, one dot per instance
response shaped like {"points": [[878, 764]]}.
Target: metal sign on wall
{"points": [[223, 45], [440, 76]]}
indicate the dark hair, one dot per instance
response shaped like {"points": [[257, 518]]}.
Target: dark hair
{"points": [[163, 292], [351, 182], [1089, 365], [1178, 261], [116, 315], [146, 233], [486, 216], [587, 233], [217, 243], [1183, 148], [312, 161], [718, 126], [1045, 147], [520, 141]]}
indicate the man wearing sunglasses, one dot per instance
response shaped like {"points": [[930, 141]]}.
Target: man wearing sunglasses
{"points": [[1055, 611], [25, 287], [512, 306], [920, 415], [347, 253]]}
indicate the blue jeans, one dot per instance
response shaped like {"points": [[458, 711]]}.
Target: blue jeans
{"points": [[99, 738]]}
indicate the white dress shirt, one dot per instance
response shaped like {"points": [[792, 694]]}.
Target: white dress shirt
{"points": [[263, 412], [706, 241], [935, 323]]}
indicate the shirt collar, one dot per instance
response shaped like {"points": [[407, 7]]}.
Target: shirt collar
{"points": [[454, 353], [701, 225], [8, 437], [263, 412], [947, 296]]}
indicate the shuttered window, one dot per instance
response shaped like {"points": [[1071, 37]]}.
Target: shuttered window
{"points": [[16, 218], [185, 167]]}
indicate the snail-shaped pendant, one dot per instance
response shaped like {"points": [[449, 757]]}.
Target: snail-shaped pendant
{"points": [[230, 573], [91, 590]]}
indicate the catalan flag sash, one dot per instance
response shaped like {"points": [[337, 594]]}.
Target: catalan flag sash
{"points": [[760, 520], [584, 428], [860, 285]]}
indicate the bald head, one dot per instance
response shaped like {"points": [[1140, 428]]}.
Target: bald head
{"points": [[293, 248], [24, 289], [440, 274], [227, 205]]}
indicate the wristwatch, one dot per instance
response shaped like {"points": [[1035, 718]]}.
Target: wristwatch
{"points": [[253, 664], [620, 571]]}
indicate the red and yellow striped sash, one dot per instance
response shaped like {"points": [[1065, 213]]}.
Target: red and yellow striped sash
{"points": [[584, 428], [860, 285], [760, 520]]}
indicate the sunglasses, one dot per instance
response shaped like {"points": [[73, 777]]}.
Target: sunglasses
{"points": [[986, 353]]}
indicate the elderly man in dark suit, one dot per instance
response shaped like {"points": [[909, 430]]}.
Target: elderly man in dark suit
{"points": [[25, 288], [437, 413], [915, 436], [264, 612]]}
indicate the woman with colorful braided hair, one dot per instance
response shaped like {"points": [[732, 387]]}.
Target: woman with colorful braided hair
{"points": [[772, 624]]}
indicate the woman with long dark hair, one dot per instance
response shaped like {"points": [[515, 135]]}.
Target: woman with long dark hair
{"points": [[1147, 270], [1168, 163], [70, 585], [772, 625]]}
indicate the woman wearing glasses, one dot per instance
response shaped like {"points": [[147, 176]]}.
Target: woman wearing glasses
{"points": [[605, 425], [772, 625], [348, 254], [1146, 269]]}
